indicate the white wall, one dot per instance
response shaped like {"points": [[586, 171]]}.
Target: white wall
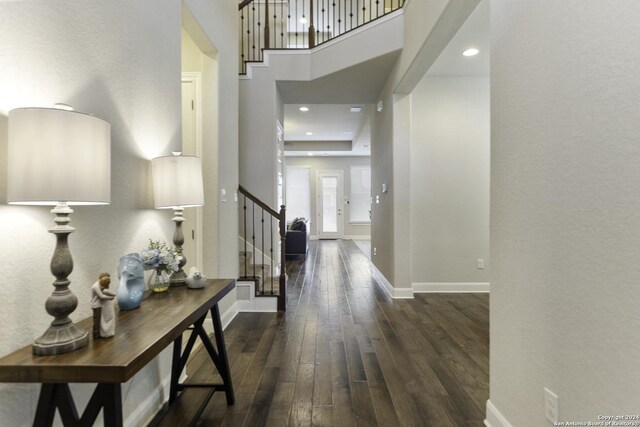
{"points": [[565, 98], [317, 163], [119, 60], [213, 25], [450, 180], [428, 27]]}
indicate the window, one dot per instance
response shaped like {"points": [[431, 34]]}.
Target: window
{"points": [[298, 187], [360, 197]]}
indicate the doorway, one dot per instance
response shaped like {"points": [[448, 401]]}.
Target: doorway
{"points": [[330, 204], [191, 146]]}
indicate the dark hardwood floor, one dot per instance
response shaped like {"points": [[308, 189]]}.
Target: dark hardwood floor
{"points": [[346, 354]]}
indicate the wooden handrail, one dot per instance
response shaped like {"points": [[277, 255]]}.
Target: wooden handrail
{"points": [[278, 24], [258, 202], [258, 241]]}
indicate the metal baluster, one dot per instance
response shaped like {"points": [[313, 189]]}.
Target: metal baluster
{"points": [[334, 18], [253, 235], [245, 236], [377, 8], [296, 24], [351, 14], [242, 40], [253, 23], [339, 18], [262, 246], [281, 24], [271, 250], [288, 22], [260, 35]]}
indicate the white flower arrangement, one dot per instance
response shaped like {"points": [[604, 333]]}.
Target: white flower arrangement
{"points": [[161, 258]]}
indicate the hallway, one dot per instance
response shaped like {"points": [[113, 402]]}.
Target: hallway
{"points": [[345, 353]]}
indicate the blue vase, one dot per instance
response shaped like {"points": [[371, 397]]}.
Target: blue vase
{"points": [[131, 275]]}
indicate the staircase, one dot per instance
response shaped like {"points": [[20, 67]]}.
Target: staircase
{"points": [[302, 24], [262, 260]]}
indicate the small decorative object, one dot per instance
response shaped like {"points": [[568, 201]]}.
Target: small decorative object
{"points": [[163, 261], [131, 275], [177, 184], [104, 316], [195, 280], [61, 158]]}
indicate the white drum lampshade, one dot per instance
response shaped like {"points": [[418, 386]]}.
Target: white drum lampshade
{"points": [[58, 156], [177, 182]]}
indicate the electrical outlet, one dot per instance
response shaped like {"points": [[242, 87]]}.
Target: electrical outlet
{"points": [[550, 405], [375, 251], [480, 263]]}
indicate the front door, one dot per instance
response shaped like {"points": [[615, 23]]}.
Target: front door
{"points": [[330, 204]]}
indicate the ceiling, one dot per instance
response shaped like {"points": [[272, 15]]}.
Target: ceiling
{"points": [[330, 98], [474, 33]]}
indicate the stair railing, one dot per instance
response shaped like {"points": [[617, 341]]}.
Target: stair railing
{"points": [[252, 208], [302, 24]]}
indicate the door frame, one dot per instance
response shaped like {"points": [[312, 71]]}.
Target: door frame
{"points": [[339, 204], [196, 79]]}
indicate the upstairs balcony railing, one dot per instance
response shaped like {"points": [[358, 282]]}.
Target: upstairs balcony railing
{"points": [[301, 24]]}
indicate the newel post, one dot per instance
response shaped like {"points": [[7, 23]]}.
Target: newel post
{"points": [[312, 29]]}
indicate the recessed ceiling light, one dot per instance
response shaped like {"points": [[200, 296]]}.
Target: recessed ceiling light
{"points": [[309, 133], [471, 52], [304, 109], [309, 154], [356, 109]]}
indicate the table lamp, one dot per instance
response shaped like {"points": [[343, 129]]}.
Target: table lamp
{"points": [[59, 158], [177, 184]]}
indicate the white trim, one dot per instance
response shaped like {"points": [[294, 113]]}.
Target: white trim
{"points": [[450, 287], [359, 223], [357, 237], [149, 407], [405, 293], [258, 305], [494, 417], [196, 79]]}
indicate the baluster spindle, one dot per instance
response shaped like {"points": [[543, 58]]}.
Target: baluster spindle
{"points": [[271, 250], [253, 236], [262, 247], [267, 43], [312, 29], [245, 236]]}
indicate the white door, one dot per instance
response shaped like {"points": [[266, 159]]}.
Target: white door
{"points": [[330, 205], [191, 227]]}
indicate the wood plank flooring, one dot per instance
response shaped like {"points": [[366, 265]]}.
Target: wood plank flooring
{"points": [[346, 354]]}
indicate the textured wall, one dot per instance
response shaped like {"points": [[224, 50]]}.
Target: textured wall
{"points": [[450, 180], [119, 60], [565, 97]]}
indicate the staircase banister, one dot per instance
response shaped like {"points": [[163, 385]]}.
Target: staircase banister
{"points": [[259, 202], [243, 3]]}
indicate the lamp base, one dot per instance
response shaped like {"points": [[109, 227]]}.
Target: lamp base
{"points": [[179, 278], [60, 339]]}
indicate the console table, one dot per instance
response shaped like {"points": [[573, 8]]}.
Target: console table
{"points": [[141, 334]]}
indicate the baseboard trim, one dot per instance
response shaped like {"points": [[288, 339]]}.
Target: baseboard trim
{"points": [[494, 417], [396, 293], [146, 410], [357, 237], [450, 287]]}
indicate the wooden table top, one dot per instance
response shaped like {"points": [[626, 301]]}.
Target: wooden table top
{"points": [[141, 334]]}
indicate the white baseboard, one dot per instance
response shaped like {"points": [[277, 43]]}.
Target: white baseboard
{"points": [[357, 237], [450, 287], [494, 417], [149, 407], [387, 286]]}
